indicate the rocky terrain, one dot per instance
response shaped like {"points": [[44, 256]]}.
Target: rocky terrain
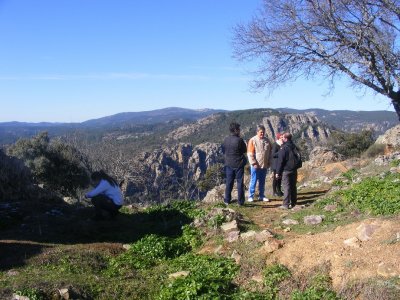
{"points": [[52, 248]]}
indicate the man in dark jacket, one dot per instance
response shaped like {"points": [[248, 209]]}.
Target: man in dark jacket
{"points": [[287, 171], [235, 159], [276, 181]]}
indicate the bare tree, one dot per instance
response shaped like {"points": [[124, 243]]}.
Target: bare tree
{"points": [[294, 38]]}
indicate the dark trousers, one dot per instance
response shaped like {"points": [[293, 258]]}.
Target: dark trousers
{"points": [[276, 184], [102, 202], [231, 175], [289, 181]]}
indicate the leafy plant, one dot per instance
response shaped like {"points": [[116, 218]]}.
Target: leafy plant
{"points": [[208, 278], [379, 196], [272, 276], [319, 289], [30, 293], [147, 252]]}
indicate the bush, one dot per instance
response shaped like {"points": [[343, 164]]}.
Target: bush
{"points": [[379, 196], [351, 144], [208, 278], [374, 150], [15, 178], [59, 166]]}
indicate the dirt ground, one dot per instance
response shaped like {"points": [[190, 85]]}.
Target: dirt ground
{"points": [[378, 256]]}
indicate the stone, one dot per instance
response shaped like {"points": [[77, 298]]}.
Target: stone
{"points": [[236, 256], [264, 235], [365, 231], [248, 235], [178, 274], [352, 242], [18, 297], [330, 207], [272, 245], [290, 222], [230, 226], [64, 293], [232, 236], [313, 219], [126, 246]]}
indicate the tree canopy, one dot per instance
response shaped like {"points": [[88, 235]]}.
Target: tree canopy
{"points": [[355, 38]]}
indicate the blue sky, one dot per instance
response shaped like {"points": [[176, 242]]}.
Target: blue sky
{"points": [[74, 60]]}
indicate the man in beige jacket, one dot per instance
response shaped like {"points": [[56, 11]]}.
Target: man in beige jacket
{"points": [[258, 153]]}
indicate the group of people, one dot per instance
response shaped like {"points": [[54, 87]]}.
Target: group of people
{"points": [[261, 155], [259, 152]]}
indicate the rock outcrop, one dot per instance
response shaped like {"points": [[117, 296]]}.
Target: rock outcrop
{"points": [[172, 172]]}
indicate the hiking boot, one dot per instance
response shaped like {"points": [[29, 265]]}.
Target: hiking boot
{"points": [[250, 199], [265, 199]]}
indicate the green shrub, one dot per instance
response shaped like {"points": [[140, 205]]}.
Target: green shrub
{"points": [[31, 293], [15, 178], [213, 177], [208, 278], [374, 150], [351, 144], [59, 166], [379, 196], [313, 293], [272, 276], [147, 252]]}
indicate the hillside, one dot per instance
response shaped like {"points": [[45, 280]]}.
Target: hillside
{"points": [[53, 250], [142, 124], [352, 121]]}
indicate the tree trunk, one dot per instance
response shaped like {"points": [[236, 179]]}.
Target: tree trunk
{"points": [[396, 103]]}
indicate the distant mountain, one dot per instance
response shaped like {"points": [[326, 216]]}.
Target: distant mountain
{"points": [[351, 121], [145, 123], [138, 121], [152, 117]]}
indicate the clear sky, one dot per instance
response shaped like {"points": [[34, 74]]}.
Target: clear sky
{"points": [[74, 60]]}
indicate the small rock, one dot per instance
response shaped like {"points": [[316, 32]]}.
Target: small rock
{"points": [[236, 256], [330, 207], [231, 226], [272, 245], [257, 278], [290, 222], [232, 236], [352, 242], [178, 274], [64, 293], [248, 235], [18, 297], [12, 272], [126, 246], [287, 229], [313, 219], [365, 231], [264, 235]]}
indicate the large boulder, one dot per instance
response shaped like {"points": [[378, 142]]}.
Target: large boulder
{"points": [[321, 156]]}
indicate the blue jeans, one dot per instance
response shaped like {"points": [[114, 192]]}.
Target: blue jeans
{"points": [[231, 175], [257, 174]]}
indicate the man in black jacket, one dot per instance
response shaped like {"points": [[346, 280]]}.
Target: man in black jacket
{"points": [[287, 171], [235, 159]]}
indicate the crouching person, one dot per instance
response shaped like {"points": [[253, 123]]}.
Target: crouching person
{"points": [[106, 196]]}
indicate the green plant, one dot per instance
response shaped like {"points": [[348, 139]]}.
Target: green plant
{"points": [[30, 293], [272, 276], [379, 196], [216, 221], [208, 278], [395, 163], [58, 165], [147, 252], [313, 293], [374, 150]]}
